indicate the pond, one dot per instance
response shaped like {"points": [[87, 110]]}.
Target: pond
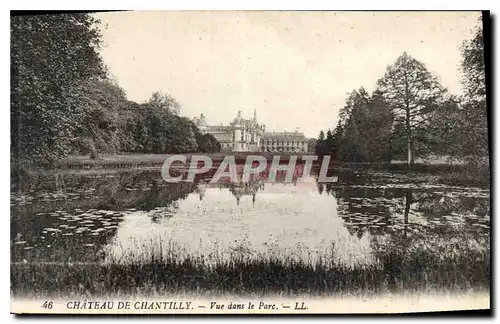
{"points": [[135, 216]]}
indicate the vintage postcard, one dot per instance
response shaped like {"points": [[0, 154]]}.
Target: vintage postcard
{"points": [[249, 162]]}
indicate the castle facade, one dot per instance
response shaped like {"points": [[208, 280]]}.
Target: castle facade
{"points": [[248, 135]]}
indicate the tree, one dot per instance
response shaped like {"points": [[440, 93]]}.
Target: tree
{"points": [[474, 108], [321, 135], [207, 143], [51, 55], [473, 76], [159, 129], [445, 131], [311, 145], [363, 131], [319, 143], [460, 124], [378, 131], [338, 134], [353, 119], [164, 101], [328, 143], [413, 93], [104, 124]]}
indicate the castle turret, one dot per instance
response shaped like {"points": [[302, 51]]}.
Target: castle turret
{"points": [[238, 131], [202, 123]]}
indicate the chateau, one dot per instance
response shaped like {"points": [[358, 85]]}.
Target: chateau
{"points": [[247, 135]]}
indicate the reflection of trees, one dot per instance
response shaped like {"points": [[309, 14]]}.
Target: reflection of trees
{"points": [[91, 193], [344, 178], [390, 210], [163, 194], [321, 187], [114, 191], [421, 252], [410, 227], [367, 209], [447, 208], [408, 201]]}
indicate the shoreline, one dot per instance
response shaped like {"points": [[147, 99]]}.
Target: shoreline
{"points": [[460, 174], [123, 160]]}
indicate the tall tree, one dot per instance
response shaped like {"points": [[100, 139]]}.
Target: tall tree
{"points": [[412, 93], [162, 130], [50, 56], [207, 143], [311, 145], [164, 101], [103, 128], [460, 124], [328, 143], [378, 129], [475, 114], [446, 129], [338, 134], [354, 120], [319, 143], [473, 76]]}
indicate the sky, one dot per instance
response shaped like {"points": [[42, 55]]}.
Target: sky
{"points": [[295, 68]]}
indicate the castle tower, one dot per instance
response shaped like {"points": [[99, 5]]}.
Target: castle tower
{"points": [[202, 124], [258, 132], [238, 129]]}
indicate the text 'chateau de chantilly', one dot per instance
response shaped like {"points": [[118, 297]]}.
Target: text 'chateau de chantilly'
{"points": [[247, 135]]}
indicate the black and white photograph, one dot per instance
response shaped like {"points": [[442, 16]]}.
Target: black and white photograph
{"points": [[250, 162]]}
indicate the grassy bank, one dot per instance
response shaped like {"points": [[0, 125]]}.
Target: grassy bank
{"points": [[142, 160], [477, 175], [466, 174], [26, 176], [397, 271], [119, 161]]}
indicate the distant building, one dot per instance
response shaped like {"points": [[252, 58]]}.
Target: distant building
{"points": [[293, 142], [247, 135], [239, 136]]}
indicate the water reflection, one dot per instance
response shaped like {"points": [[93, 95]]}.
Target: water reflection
{"points": [[250, 220], [73, 216], [407, 218], [239, 189], [385, 210], [132, 215]]}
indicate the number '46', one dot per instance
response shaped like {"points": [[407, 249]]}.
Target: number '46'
{"points": [[47, 305]]}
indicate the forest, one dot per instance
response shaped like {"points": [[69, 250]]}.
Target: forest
{"points": [[64, 100]]}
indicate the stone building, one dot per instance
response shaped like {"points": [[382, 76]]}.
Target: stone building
{"points": [[294, 142], [239, 136], [247, 135]]}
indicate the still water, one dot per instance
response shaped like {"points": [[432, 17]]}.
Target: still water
{"points": [[134, 216]]}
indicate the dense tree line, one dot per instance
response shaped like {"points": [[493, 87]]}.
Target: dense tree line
{"points": [[410, 114], [115, 124], [64, 102], [363, 131]]}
